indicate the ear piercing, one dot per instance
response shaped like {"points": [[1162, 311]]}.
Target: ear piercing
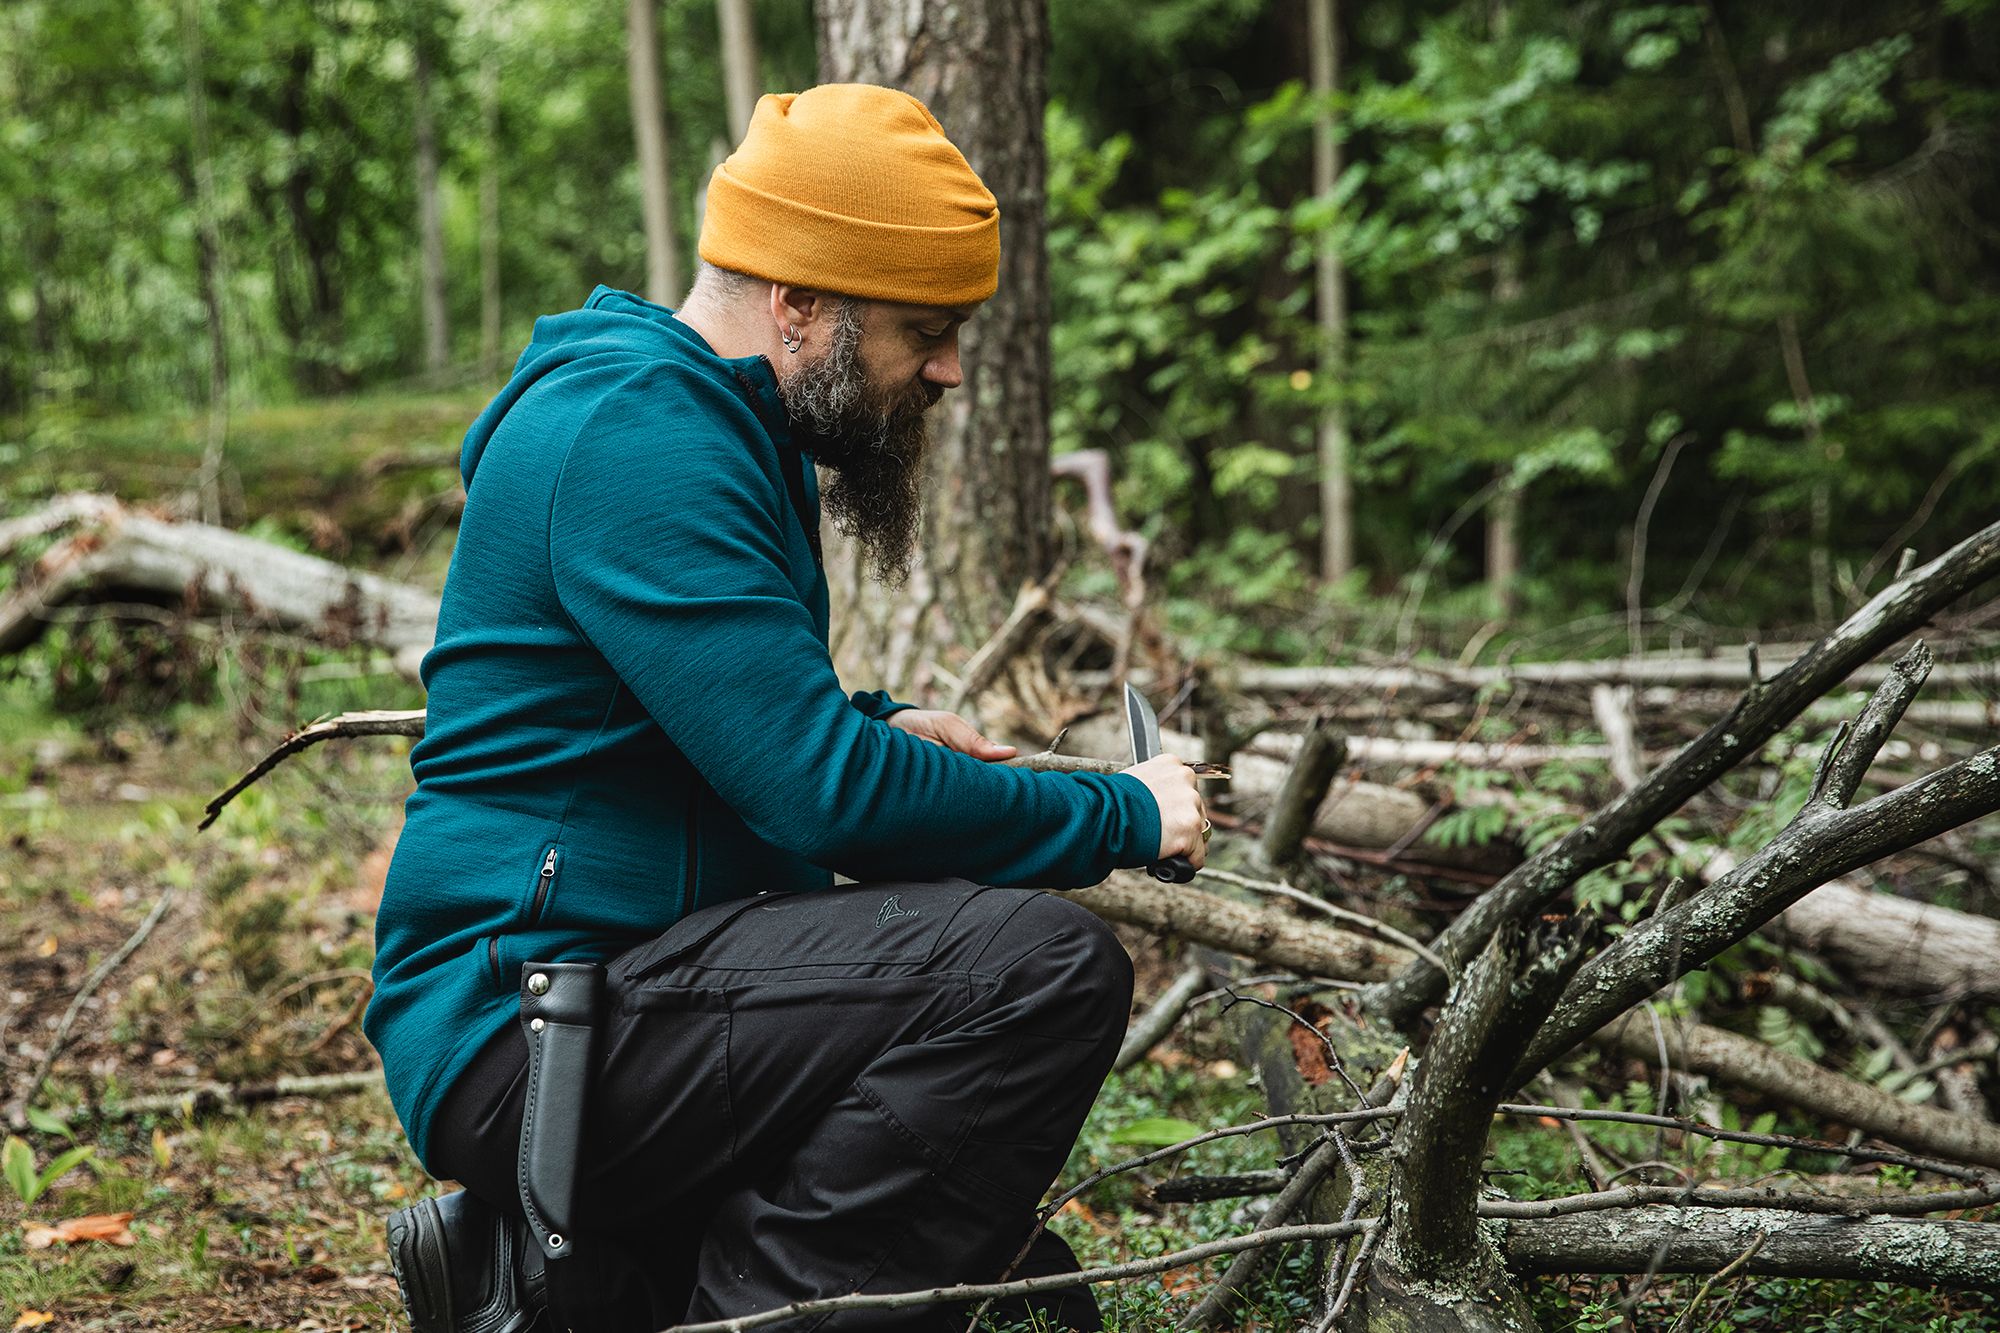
{"points": [[791, 338]]}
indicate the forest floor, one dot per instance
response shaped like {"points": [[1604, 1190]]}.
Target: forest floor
{"points": [[271, 1217]]}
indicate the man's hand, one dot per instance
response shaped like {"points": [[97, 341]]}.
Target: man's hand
{"points": [[949, 730], [1183, 815]]}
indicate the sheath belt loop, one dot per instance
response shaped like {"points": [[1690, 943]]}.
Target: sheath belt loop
{"points": [[559, 1009]]}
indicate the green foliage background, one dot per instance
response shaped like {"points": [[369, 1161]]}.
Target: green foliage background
{"points": [[1562, 259]]}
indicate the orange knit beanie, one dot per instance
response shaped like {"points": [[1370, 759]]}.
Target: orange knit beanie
{"points": [[854, 189]]}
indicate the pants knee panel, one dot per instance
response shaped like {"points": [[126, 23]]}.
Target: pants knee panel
{"points": [[1070, 963]]}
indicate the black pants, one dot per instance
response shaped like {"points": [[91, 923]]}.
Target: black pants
{"points": [[863, 1089]]}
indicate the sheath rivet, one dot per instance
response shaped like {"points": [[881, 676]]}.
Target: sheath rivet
{"points": [[535, 1025], [538, 984], [555, 1242]]}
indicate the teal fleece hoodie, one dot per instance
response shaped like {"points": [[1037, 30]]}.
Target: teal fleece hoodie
{"points": [[632, 712]]}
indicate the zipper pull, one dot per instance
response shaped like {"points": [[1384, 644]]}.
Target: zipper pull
{"points": [[549, 865]]}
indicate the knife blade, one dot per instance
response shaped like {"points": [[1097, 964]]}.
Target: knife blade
{"points": [[1144, 727]]}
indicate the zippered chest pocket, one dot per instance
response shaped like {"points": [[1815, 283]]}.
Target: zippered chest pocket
{"points": [[541, 893]]}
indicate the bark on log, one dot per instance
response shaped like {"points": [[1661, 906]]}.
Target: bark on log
{"points": [[126, 552], [1963, 1255], [1305, 947], [1751, 1064], [1893, 944]]}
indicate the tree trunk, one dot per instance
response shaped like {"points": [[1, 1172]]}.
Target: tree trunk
{"points": [[489, 212], [430, 219], [210, 271], [979, 66], [1335, 486], [741, 82], [1337, 493], [649, 133]]}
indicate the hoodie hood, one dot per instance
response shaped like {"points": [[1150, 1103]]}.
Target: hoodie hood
{"points": [[611, 324]]}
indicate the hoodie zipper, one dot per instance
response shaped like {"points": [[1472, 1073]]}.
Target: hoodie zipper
{"points": [[543, 884]]}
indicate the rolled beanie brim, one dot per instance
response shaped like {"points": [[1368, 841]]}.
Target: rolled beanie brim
{"points": [[748, 230]]}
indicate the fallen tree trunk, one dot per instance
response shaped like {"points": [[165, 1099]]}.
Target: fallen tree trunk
{"points": [[1962, 1255], [1222, 923], [120, 551], [1893, 944], [1746, 1063], [1440, 680]]}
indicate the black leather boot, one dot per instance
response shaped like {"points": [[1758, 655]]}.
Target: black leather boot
{"points": [[464, 1268]]}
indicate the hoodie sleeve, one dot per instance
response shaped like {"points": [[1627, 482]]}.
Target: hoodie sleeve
{"points": [[666, 545]]}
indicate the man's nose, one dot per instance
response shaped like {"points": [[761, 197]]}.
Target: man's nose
{"points": [[943, 370]]}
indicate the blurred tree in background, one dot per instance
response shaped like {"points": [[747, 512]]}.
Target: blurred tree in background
{"points": [[1738, 259]]}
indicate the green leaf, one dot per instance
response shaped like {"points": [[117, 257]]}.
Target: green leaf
{"points": [[17, 1162], [1156, 1132], [61, 1165], [48, 1122]]}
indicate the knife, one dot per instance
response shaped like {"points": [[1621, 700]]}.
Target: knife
{"points": [[1145, 730]]}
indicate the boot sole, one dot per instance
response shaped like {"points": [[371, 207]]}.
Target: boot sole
{"points": [[416, 1254]]}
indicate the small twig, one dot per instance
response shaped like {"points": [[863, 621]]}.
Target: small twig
{"points": [[1029, 1286], [347, 1019], [1729, 1270], [1218, 1304], [1204, 1189], [189, 1102], [1355, 1269], [1953, 1170], [401, 722], [1300, 896], [17, 1114], [1333, 1060], [1152, 1027]]}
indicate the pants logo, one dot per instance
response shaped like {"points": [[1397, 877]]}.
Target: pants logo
{"points": [[893, 909]]}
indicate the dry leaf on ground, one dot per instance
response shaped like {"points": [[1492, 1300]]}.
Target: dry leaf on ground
{"points": [[111, 1228]]}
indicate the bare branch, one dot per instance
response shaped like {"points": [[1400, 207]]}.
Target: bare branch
{"points": [[1795, 1201], [1824, 841], [1152, 1027], [17, 1114], [1894, 612], [379, 722], [1029, 1286]]}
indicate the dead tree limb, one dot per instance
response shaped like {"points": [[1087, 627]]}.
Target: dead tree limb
{"points": [[17, 1113], [382, 722], [122, 551], [1747, 1063], [1151, 1028], [1826, 838], [1758, 715], [1964, 1255], [1320, 755], [1305, 947]]}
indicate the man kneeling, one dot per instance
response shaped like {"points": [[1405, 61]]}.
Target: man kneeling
{"points": [[680, 1074]]}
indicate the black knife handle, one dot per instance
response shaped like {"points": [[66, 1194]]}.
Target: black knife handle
{"points": [[1173, 870]]}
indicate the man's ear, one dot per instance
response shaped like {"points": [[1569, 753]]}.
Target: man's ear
{"points": [[797, 307]]}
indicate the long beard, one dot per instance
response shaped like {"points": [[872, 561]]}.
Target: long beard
{"points": [[875, 444]]}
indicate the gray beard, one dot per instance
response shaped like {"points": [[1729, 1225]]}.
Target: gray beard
{"points": [[875, 447]]}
